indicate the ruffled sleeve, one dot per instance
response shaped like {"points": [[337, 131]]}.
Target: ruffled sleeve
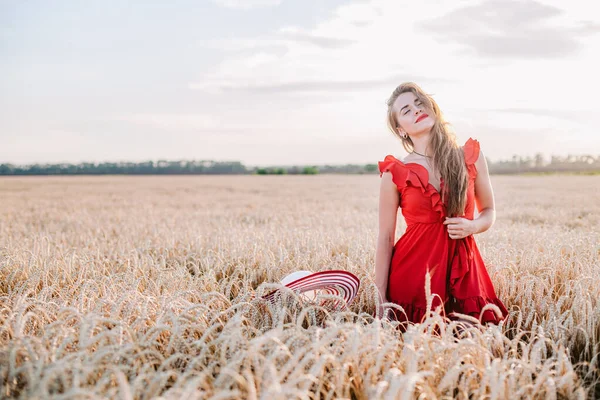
{"points": [[471, 152], [397, 168], [412, 175]]}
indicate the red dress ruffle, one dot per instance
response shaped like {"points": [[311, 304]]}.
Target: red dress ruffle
{"points": [[459, 280]]}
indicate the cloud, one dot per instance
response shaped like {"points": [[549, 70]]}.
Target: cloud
{"points": [[588, 28], [566, 115], [237, 123], [281, 41], [173, 121], [324, 42], [306, 86], [246, 4], [523, 29], [352, 50], [46, 145], [500, 142]]}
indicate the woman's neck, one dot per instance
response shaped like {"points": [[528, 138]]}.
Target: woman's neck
{"points": [[420, 143]]}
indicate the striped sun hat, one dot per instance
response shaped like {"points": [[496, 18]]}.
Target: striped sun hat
{"points": [[310, 284]]}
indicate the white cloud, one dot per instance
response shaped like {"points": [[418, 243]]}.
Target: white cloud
{"points": [[297, 88], [523, 29], [29, 148], [360, 42], [364, 41], [355, 58], [246, 4], [237, 121], [174, 121]]}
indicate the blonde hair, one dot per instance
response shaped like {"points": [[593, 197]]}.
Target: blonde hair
{"points": [[448, 158]]}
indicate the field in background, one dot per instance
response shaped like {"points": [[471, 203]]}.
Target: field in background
{"points": [[135, 287]]}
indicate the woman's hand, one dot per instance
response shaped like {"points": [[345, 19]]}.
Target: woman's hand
{"points": [[459, 227]]}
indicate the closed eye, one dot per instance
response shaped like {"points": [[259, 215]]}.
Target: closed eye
{"points": [[417, 102]]}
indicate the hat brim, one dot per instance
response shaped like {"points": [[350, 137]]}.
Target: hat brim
{"points": [[336, 282]]}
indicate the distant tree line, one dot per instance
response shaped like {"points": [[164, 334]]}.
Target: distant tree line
{"points": [[161, 167], [515, 165], [538, 163]]}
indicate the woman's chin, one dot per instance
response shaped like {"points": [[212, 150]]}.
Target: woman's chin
{"points": [[425, 124]]}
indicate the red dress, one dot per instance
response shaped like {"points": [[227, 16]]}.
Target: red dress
{"points": [[457, 271]]}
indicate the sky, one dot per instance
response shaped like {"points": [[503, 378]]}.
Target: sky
{"points": [[290, 82]]}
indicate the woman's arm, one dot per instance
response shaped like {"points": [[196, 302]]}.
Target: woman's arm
{"points": [[484, 197], [389, 200], [459, 227]]}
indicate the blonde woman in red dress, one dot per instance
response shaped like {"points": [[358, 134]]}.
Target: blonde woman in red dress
{"points": [[437, 186]]}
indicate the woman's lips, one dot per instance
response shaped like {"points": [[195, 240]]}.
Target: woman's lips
{"points": [[422, 116]]}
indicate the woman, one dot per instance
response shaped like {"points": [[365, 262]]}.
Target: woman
{"points": [[436, 186]]}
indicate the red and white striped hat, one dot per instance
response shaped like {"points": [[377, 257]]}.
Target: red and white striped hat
{"points": [[310, 284]]}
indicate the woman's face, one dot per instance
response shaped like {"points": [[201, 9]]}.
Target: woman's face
{"points": [[411, 115]]}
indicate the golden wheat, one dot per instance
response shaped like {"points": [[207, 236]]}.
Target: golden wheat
{"points": [[140, 287]]}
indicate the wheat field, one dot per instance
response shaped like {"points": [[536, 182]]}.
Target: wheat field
{"points": [[149, 287]]}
